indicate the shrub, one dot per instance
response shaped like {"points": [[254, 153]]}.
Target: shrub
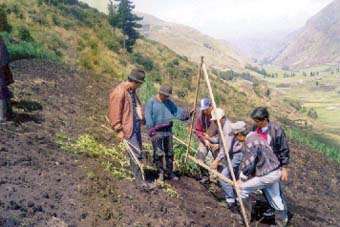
{"points": [[144, 61], [25, 49], [4, 25], [24, 34]]}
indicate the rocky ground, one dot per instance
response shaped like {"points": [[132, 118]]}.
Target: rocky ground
{"points": [[42, 185]]}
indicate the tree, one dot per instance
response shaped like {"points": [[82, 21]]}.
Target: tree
{"points": [[121, 16]]}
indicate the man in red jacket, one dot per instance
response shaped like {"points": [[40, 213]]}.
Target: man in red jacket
{"points": [[207, 140], [126, 117]]}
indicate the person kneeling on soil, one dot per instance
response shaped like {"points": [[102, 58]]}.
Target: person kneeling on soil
{"points": [[260, 170], [159, 113], [6, 78], [126, 117], [237, 148], [274, 135], [207, 142]]}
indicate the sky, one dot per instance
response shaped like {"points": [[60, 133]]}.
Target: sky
{"points": [[231, 19]]}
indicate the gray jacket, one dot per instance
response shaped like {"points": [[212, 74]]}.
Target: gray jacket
{"points": [[259, 158]]}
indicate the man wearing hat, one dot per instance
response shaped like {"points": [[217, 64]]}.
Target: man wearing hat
{"points": [[238, 133], [206, 132], [160, 112], [6, 78], [126, 116]]}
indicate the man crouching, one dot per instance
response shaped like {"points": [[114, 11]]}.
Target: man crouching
{"points": [[260, 170]]}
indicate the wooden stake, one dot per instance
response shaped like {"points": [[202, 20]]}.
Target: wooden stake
{"points": [[225, 145], [195, 104]]}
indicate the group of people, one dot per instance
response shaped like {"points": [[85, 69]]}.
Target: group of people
{"points": [[259, 156], [6, 79]]}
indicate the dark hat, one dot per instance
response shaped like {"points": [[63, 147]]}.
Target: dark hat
{"points": [[137, 75], [165, 90], [260, 113]]}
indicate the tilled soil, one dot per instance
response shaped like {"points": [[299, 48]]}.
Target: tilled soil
{"points": [[41, 185]]}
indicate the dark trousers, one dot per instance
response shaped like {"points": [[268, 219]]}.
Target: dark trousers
{"points": [[163, 147], [136, 147]]}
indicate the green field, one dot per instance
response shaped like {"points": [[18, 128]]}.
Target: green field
{"points": [[320, 91]]}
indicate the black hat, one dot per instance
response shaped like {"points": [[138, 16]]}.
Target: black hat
{"points": [[260, 113], [165, 90], [137, 75]]}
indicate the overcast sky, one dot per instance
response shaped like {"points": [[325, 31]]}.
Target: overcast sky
{"points": [[232, 19]]}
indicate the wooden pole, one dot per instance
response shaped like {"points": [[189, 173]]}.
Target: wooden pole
{"points": [[202, 164], [225, 145], [199, 75]]}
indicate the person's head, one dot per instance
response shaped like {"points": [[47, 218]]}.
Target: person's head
{"points": [[260, 116], [206, 106], [165, 91], [136, 78], [239, 130], [218, 114]]}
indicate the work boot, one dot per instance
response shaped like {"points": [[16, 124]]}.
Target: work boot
{"points": [[281, 218]]}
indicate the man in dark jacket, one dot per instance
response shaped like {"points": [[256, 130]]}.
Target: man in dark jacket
{"points": [[6, 78], [260, 169], [276, 138], [160, 112]]}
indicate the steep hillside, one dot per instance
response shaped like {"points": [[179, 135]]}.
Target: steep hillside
{"points": [[191, 43], [60, 167], [318, 42]]}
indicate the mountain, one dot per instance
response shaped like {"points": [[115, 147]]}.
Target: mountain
{"points": [[318, 42], [191, 43]]}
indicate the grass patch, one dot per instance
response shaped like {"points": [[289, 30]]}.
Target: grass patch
{"points": [[315, 141], [112, 159]]}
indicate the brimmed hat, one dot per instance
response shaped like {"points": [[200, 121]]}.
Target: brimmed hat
{"points": [[137, 75], [205, 104], [238, 127], [217, 114], [165, 90]]}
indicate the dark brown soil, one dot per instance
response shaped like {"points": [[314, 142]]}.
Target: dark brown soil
{"points": [[41, 185]]}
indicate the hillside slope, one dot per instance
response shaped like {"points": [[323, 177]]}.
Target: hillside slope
{"points": [[318, 42], [45, 184], [191, 43]]}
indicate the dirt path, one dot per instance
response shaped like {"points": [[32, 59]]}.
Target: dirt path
{"points": [[41, 185]]}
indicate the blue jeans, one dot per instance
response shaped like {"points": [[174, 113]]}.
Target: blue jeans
{"points": [[227, 188], [270, 185]]}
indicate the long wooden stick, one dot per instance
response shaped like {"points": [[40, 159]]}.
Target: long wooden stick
{"points": [[199, 75], [202, 164], [225, 145], [140, 166]]}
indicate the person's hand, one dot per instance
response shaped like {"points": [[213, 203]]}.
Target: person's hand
{"points": [[214, 164], [214, 147], [207, 143], [238, 183], [120, 135], [284, 174]]}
